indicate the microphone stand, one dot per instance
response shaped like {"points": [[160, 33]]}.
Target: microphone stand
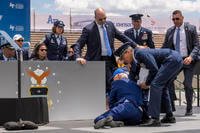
{"points": [[19, 72], [19, 60]]}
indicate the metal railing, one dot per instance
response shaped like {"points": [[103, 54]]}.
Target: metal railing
{"points": [[180, 88]]}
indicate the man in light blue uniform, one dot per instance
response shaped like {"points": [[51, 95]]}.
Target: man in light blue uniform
{"points": [[163, 65], [125, 103]]}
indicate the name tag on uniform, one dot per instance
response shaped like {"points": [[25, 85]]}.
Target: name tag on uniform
{"points": [[144, 36]]}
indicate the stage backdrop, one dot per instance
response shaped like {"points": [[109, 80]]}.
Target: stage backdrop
{"points": [[15, 17], [158, 24], [74, 91]]}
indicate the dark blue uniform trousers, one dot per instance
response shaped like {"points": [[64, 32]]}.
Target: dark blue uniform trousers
{"points": [[159, 86], [127, 112]]}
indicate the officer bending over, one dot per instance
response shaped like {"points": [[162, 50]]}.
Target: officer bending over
{"points": [[163, 66]]}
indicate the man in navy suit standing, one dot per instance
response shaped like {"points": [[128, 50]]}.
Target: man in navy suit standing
{"points": [[139, 34], [99, 37], [183, 38]]}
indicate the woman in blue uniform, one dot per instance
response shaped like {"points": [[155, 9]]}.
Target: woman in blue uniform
{"points": [[56, 43]]}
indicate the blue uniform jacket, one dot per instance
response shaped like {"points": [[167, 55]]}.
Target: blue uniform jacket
{"points": [[55, 51], [152, 59], [134, 71], [125, 89], [145, 37]]}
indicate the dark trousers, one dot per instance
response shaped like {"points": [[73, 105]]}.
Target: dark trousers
{"points": [[188, 71], [172, 95], [159, 89], [110, 67]]}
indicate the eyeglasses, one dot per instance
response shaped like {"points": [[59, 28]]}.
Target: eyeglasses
{"points": [[20, 40], [43, 50], [101, 19], [173, 19]]}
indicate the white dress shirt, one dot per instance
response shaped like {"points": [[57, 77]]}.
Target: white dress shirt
{"points": [[103, 45], [183, 43]]}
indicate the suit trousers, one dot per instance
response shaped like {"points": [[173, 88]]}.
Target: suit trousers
{"points": [[110, 67], [188, 71]]}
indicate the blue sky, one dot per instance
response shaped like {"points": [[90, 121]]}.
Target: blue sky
{"points": [[44, 6], [190, 8]]}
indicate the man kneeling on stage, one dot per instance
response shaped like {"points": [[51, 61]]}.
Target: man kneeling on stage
{"points": [[125, 103]]}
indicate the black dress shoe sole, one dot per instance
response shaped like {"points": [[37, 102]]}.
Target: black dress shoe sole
{"points": [[168, 120], [151, 124]]}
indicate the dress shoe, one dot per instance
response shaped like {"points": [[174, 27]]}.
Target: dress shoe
{"points": [[189, 112], [167, 119], [151, 123], [101, 123]]}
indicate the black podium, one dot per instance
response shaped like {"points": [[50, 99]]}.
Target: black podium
{"points": [[197, 72], [33, 109]]}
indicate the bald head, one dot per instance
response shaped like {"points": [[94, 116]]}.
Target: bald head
{"points": [[100, 16]]}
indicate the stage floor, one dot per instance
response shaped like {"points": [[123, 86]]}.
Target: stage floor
{"points": [[184, 125]]}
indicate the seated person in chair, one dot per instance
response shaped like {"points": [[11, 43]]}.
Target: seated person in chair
{"points": [[8, 52]]}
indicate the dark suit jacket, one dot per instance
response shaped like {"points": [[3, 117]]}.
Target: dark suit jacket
{"points": [[191, 39], [25, 55], [90, 37], [1, 56], [145, 37]]}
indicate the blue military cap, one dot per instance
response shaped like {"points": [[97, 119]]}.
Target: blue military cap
{"points": [[136, 16], [7, 45], [59, 23], [121, 49]]}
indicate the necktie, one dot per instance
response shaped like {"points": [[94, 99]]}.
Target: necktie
{"points": [[137, 36], [20, 54], [58, 39], [105, 36], [177, 46]]}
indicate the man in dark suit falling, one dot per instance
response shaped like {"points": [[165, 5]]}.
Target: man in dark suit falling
{"points": [[139, 34], [183, 38], [99, 37]]}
